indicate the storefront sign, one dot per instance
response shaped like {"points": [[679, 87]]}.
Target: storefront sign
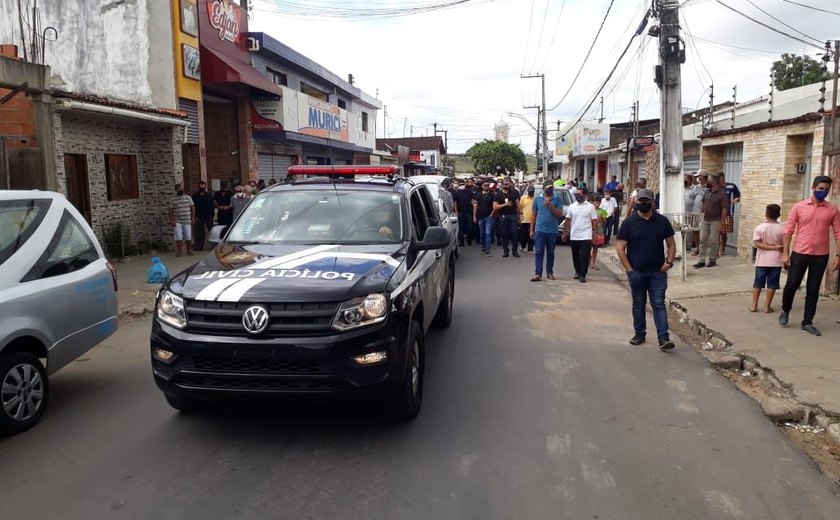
{"points": [[267, 113], [224, 17], [192, 61], [644, 143], [321, 119], [591, 138]]}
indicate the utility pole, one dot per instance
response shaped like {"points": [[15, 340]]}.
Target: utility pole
{"points": [[385, 121], [539, 115], [671, 58], [601, 119], [544, 127]]}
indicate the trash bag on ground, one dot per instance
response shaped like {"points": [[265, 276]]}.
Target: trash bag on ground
{"points": [[157, 273]]}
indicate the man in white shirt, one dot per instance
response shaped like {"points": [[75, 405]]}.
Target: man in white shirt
{"points": [[610, 205], [580, 227]]}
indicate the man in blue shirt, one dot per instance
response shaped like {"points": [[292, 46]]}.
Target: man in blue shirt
{"points": [[612, 185], [547, 209]]}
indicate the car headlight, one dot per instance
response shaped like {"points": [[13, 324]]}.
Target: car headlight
{"points": [[170, 309], [360, 312]]}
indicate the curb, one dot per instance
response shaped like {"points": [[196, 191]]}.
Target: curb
{"points": [[782, 405]]}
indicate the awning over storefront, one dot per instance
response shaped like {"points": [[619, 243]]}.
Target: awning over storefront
{"points": [[218, 68]]}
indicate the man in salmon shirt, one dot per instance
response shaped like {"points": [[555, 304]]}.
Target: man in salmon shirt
{"points": [[810, 221]]}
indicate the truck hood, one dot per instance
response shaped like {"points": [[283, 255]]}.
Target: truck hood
{"points": [[284, 273]]}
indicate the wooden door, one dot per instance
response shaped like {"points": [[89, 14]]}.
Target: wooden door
{"points": [[78, 188]]}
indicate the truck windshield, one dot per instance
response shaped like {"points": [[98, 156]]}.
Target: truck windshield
{"points": [[321, 217]]}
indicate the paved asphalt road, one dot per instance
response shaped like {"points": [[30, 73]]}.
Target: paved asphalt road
{"points": [[536, 408]]}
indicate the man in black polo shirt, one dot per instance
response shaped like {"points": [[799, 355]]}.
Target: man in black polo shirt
{"points": [[506, 206], [463, 198], [643, 256], [482, 216]]}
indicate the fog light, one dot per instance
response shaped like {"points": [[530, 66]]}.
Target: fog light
{"points": [[164, 355], [372, 358]]}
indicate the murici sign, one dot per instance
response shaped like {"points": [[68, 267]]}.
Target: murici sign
{"points": [[322, 119]]}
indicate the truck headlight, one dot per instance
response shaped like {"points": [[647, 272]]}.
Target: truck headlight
{"points": [[170, 310], [360, 312]]}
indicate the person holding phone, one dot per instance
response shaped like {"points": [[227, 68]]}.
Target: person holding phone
{"points": [[547, 208]]}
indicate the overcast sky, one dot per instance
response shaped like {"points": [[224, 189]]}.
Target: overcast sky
{"points": [[461, 67]]}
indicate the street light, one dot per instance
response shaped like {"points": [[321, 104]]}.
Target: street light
{"points": [[523, 118]]}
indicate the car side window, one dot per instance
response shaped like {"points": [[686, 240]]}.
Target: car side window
{"points": [[69, 250], [18, 221], [419, 220], [429, 205]]}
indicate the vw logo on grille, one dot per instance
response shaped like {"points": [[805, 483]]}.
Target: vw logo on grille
{"points": [[255, 319]]}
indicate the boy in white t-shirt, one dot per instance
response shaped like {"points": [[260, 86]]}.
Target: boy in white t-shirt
{"points": [[767, 238]]}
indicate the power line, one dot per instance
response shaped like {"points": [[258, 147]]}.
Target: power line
{"points": [[528, 40], [309, 9], [748, 17], [706, 40], [582, 65], [794, 29], [553, 36], [806, 6], [696, 51], [641, 28], [539, 40]]}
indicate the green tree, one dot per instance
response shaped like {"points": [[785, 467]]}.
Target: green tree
{"points": [[486, 155], [795, 71]]}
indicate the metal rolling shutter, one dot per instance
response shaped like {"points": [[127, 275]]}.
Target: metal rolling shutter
{"points": [[691, 165], [191, 108], [273, 166]]}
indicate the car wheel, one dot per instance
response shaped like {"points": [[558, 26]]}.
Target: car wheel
{"points": [[24, 390], [443, 316], [409, 396], [184, 403]]}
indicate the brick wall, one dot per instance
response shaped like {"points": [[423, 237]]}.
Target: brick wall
{"points": [[768, 170], [159, 165]]}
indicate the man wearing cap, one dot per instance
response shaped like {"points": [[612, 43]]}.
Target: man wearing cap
{"points": [[641, 252], [715, 210], [547, 208]]}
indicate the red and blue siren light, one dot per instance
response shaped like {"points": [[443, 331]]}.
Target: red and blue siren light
{"points": [[343, 170]]}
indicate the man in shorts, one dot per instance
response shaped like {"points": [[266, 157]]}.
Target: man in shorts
{"points": [[182, 218]]}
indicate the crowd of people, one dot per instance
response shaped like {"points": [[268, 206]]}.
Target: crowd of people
{"points": [[495, 210], [204, 209]]}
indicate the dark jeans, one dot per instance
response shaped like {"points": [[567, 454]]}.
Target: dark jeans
{"points": [[525, 239], [509, 229], [544, 244], [799, 263], [653, 285], [581, 251], [485, 225], [615, 219], [465, 222], [202, 227], [608, 228]]}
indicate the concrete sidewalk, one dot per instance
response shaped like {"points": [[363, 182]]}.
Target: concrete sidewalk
{"points": [[715, 303], [136, 295]]}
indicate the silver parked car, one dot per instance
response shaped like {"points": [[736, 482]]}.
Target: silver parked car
{"points": [[58, 299], [448, 217]]}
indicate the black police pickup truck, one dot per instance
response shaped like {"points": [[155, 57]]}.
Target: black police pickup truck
{"points": [[324, 285]]}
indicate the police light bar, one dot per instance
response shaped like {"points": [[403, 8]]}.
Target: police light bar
{"points": [[343, 170]]}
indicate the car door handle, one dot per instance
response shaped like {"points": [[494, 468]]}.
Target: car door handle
{"points": [[438, 253]]}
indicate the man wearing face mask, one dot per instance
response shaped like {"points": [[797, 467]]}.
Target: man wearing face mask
{"points": [[506, 205], [482, 216], [239, 200], [641, 252], [182, 218], [810, 221], [715, 210], [580, 227], [203, 201]]}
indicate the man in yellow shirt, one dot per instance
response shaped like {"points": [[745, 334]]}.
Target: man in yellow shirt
{"points": [[526, 214]]}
